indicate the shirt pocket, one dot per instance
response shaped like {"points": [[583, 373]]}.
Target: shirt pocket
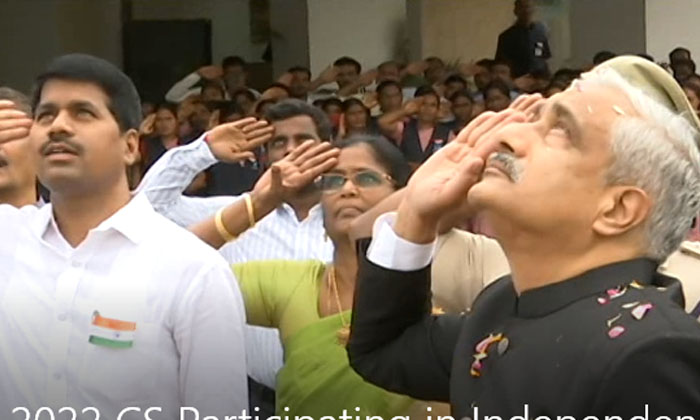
{"points": [[126, 374]]}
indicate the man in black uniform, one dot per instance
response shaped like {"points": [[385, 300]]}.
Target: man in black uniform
{"points": [[586, 192], [524, 45]]}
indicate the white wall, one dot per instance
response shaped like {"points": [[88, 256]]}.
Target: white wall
{"points": [[229, 18], [672, 23], [34, 32], [598, 25], [371, 31]]}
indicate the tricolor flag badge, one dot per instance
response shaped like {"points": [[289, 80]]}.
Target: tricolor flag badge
{"points": [[111, 333]]}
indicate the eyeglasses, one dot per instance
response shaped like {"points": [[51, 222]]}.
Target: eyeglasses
{"points": [[364, 179]]}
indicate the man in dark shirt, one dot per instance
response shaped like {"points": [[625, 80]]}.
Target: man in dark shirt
{"points": [[524, 45]]}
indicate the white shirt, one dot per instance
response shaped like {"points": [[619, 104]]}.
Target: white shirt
{"points": [[279, 235], [135, 267]]}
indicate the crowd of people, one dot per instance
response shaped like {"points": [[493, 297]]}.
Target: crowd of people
{"points": [[416, 240]]}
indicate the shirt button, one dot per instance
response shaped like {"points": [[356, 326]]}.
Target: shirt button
{"points": [[62, 317]]}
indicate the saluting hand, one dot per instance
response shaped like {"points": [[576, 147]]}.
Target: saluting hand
{"points": [[297, 170], [236, 141], [14, 124]]}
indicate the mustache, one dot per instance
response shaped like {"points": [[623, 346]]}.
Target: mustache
{"points": [[63, 139], [512, 166]]}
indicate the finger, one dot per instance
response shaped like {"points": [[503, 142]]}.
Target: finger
{"points": [[299, 150], [12, 114], [527, 102], [275, 175], [311, 152], [13, 134], [489, 125], [258, 141], [519, 100], [240, 156], [14, 123], [259, 132], [256, 125], [240, 124], [325, 166], [7, 104], [464, 135], [315, 161]]}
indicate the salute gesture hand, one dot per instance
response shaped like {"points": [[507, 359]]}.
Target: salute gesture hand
{"points": [[14, 124], [447, 176]]}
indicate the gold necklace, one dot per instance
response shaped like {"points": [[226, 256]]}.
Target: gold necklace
{"points": [[344, 332]]}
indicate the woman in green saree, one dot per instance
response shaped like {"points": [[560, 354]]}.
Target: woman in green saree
{"points": [[310, 301]]}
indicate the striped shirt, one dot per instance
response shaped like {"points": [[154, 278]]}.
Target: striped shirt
{"points": [[279, 235]]}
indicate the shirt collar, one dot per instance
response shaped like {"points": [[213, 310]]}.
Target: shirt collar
{"points": [[544, 300], [132, 220]]}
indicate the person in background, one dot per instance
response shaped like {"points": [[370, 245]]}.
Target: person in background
{"points": [[553, 88], [18, 182], [524, 45], [436, 71], [462, 104], [692, 91], [298, 79], [354, 120], [603, 56], [231, 76], [245, 99], [262, 106], [679, 54], [333, 107], [389, 96], [340, 76], [415, 127], [147, 108], [159, 133], [497, 96], [453, 84], [388, 71], [683, 69], [212, 91]]}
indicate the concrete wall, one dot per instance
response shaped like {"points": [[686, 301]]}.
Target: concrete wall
{"points": [[370, 31], [596, 25], [34, 32], [290, 34], [670, 24]]}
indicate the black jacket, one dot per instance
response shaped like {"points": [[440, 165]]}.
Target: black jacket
{"points": [[558, 352]]}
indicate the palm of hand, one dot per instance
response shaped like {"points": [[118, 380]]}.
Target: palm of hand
{"points": [[439, 182]]}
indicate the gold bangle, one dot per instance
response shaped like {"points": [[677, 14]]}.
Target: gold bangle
{"points": [[221, 228], [249, 207]]}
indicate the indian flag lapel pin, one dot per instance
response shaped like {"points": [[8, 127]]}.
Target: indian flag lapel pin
{"points": [[111, 333]]}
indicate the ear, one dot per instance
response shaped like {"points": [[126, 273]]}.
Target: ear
{"points": [[131, 147], [622, 209]]}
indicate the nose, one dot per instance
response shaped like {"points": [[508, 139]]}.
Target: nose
{"points": [[517, 137], [61, 124], [349, 189]]}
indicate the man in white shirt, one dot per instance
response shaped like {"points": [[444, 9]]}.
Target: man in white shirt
{"points": [[104, 303], [231, 75], [294, 231]]}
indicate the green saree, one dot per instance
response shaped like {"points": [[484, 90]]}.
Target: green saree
{"points": [[316, 379]]}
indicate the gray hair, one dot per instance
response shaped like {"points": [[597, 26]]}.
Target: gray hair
{"points": [[659, 154]]}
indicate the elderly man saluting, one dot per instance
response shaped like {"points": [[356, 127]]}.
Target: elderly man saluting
{"points": [[587, 193]]}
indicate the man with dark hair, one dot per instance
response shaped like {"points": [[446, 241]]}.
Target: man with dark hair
{"points": [[602, 56], [389, 96], [683, 69], [415, 127], [524, 45], [299, 82], [348, 70], [294, 231], [435, 72], [17, 170], [106, 303], [338, 79], [454, 84], [679, 54], [231, 75]]}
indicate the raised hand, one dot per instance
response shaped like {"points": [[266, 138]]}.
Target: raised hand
{"points": [[416, 68], [14, 124], [447, 176], [329, 74], [297, 170], [413, 106], [147, 125], [211, 72], [236, 141], [286, 79], [368, 77]]}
